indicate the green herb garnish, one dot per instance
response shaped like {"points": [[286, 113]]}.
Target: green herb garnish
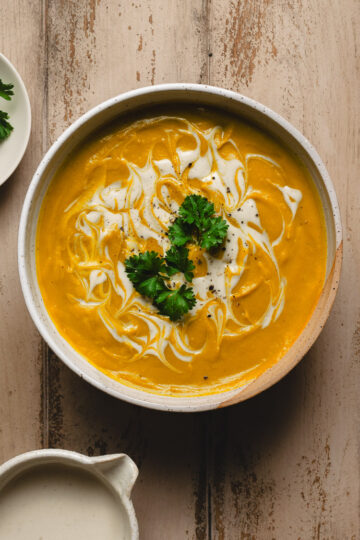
{"points": [[198, 223], [149, 272], [195, 209], [175, 303], [213, 232], [177, 259], [5, 126], [180, 232], [145, 273], [6, 90]]}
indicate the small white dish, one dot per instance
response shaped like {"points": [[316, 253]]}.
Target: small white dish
{"points": [[13, 148], [62, 495]]}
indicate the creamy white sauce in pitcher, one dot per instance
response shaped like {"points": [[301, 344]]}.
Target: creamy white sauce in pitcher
{"points": [[56, 502]]}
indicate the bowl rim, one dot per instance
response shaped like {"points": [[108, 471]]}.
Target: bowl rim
{"points": [[221, 399]]}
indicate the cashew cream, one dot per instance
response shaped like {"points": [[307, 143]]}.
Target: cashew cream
{"points": [[57, 502], [118, 194]]}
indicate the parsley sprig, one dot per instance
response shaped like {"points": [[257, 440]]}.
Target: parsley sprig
{"points": [[5, 126], [149, 273], [175, 303], [198, 223], [180, 232], [177, 259], [6, 92], [146, 272]]}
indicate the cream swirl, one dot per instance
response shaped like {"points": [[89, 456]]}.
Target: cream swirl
{"points": [[139, 209]]}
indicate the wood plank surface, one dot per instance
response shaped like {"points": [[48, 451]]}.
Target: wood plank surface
{"points": [[285, 464], [21, 30]]}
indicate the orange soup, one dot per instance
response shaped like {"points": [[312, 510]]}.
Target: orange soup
{"points": [[117, 195]]}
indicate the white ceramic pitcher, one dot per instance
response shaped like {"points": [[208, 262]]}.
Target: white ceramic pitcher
{"points": [[58, 494]]}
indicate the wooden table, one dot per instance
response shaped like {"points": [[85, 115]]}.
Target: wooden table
{"points": [[284, 465]]}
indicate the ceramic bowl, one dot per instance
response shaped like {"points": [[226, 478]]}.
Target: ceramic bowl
{"points": [[135, 100], [59, 494], [13, 148]]}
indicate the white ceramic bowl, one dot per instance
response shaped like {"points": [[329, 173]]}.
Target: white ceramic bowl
{"points": [[131, 101], [13, 148], [110, 478]]}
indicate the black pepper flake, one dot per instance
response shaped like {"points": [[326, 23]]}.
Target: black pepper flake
{"points": [[211, 287], [209, 316], [227, 190], [229, 215], [224, 248], [190, 164], [199, 262], [213, 177], [210, 54], [256, 215], [205, 377]]}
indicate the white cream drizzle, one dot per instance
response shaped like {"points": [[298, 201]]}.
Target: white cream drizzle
{"points": [[117, 207]]}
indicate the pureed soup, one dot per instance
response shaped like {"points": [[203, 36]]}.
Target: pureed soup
{"points": [[118, 196]]}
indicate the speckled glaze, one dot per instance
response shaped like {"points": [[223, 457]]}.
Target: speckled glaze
{"points": [[132, 101], [117, 472]]}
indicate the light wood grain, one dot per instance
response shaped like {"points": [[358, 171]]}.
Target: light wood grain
{"points": [[21, 30], [285, 464]]}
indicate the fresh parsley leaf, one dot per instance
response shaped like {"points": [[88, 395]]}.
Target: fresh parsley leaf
{"points": [[195, 209], [175, 303], [147, 272], [177, 259], [5, 126], [179, 232], [213, 232], [198, 223], [151, 287], [6, 90], [144, 271]]}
